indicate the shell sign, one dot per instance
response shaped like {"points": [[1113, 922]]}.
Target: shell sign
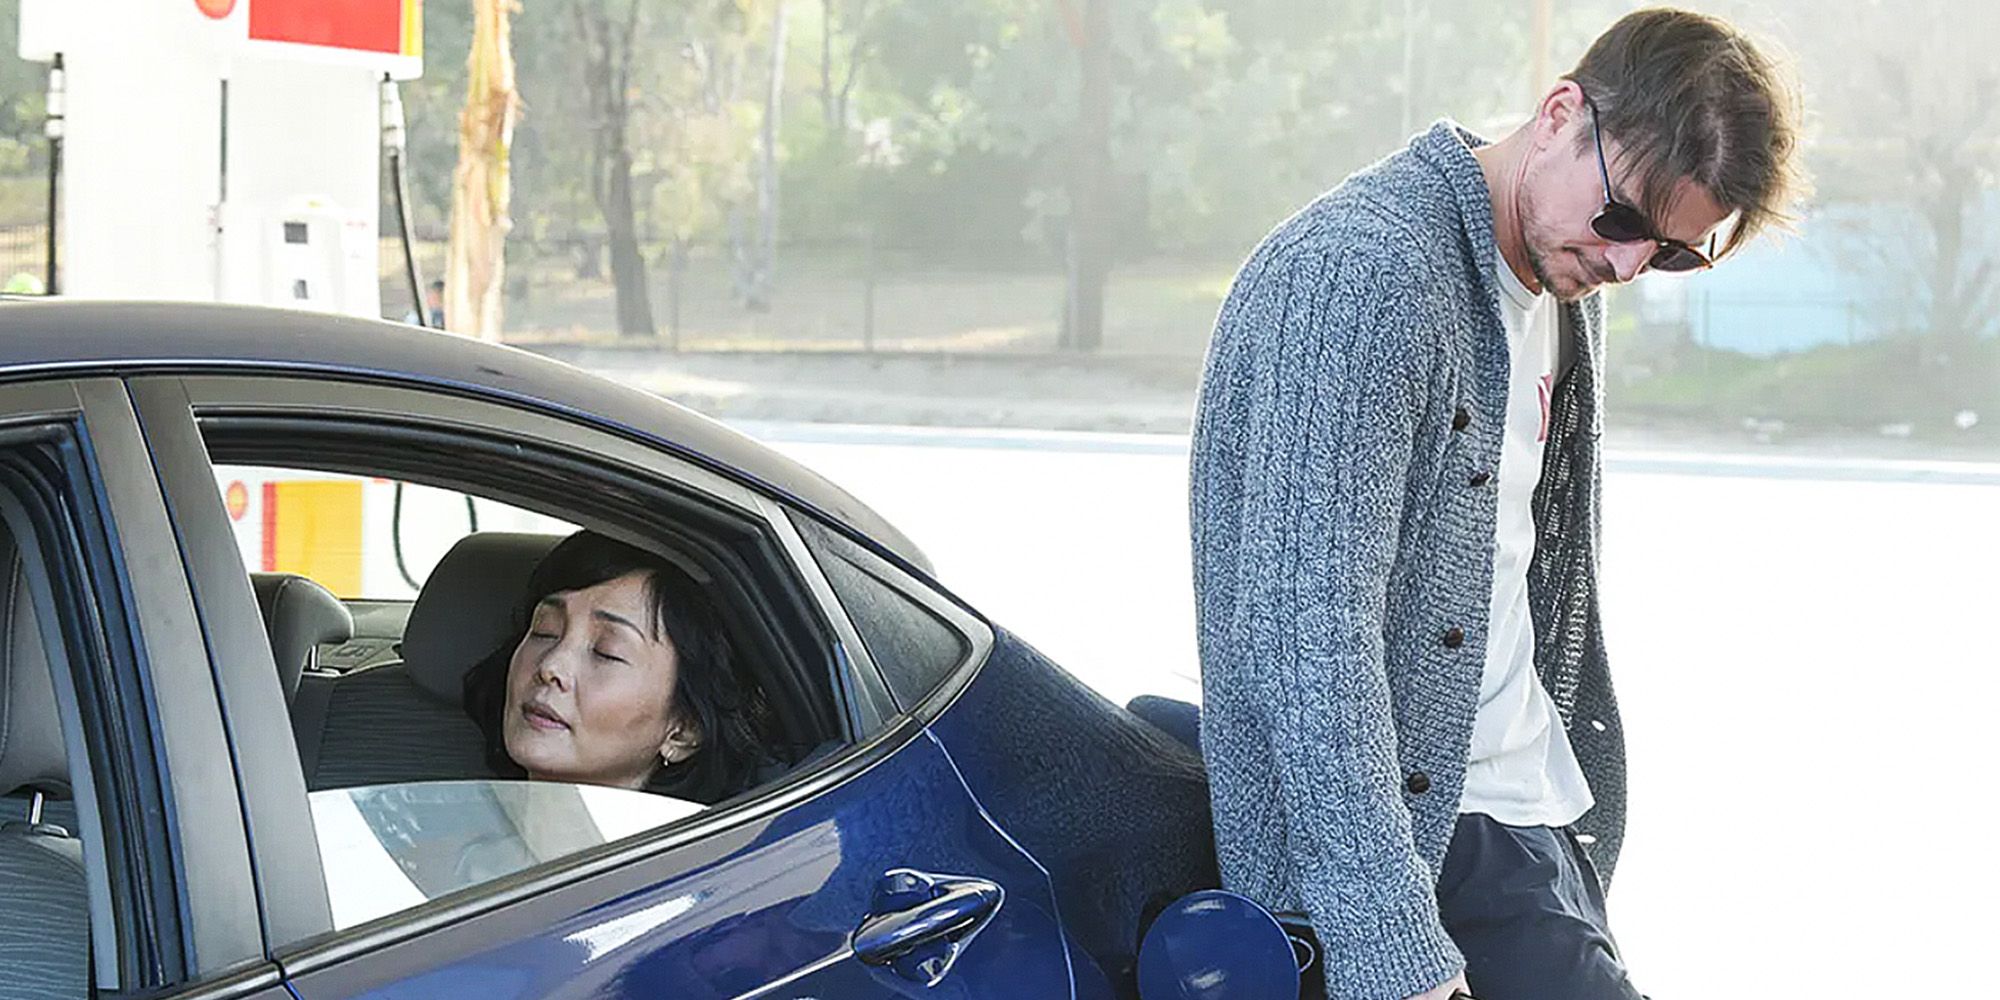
{"points": [[217, 9], [376, 27], [236, 499]]}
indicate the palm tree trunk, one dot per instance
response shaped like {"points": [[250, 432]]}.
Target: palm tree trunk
{"points": [[475, 268]]}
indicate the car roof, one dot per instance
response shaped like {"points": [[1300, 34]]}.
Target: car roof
{"points": [[55, 336]]}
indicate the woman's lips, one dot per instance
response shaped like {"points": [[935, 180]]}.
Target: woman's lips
{"points": [[543, 718]]}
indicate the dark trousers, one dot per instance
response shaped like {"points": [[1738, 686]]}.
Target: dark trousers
{"points": [[1525, 907]]}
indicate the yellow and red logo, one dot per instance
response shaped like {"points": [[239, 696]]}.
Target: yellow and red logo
{"points": [[217, 9], [237, 499]]}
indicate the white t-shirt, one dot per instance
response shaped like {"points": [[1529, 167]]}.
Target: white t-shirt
{"points": [[1522, 770]]}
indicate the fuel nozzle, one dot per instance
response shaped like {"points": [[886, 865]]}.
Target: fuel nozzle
{"points": [[395, 135], [58, 87]]}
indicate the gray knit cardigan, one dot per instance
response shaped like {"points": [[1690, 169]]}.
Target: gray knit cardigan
{"points": [[1345, 463]]}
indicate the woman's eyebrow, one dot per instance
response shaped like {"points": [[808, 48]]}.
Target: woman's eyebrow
{"points": [[619, 620]]}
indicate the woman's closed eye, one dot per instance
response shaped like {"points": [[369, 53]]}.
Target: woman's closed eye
{"points": [[613, 644]]}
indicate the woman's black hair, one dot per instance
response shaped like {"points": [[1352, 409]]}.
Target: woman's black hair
{"points": [[730, 709]]}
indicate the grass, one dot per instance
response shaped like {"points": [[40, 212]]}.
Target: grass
{"points": [[1836, 388]]}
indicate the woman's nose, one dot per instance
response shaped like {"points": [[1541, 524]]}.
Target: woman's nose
{"points": [[553, 669]]}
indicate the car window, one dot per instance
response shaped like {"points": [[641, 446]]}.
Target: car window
{"points": [[394, 847], [417, 759], [361, 537], [915, 650]]}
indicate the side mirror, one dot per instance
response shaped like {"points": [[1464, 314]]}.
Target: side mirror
{"points": [[1217, 945]]}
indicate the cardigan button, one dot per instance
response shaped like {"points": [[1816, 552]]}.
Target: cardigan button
{"points": [[1480, 479], [1461, 420], [1454, 637], [1417, 783]]}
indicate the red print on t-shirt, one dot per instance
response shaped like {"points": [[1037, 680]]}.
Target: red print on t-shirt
{"points": [[1544, 388]]}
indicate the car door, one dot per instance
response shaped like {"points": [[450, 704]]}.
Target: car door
{"points": [[1112, 807], [127, 871], [868, 872]]}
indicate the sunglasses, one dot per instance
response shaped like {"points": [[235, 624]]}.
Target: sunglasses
{"points": [[1621, 223]]}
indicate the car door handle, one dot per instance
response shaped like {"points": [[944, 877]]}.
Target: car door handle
{"points": [[920, 921]]}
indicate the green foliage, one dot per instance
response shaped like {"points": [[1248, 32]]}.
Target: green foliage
{"points": [[23, 85], [1859, 388], [954, 136]]}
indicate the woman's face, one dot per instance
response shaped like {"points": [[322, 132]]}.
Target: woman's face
{"points": [[590, 689]]}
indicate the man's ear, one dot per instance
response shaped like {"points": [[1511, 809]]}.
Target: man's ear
{"points": [[684, 738], [1560, 108]]}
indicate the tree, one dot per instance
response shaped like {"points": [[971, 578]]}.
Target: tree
{"points": [[1911, 168], [24, 159], [605, 36], [481, 189], [1088, 246], [697, 134], [848, 21], [1176, 124], [757, 254]]}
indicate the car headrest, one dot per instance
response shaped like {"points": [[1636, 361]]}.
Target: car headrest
{"points": [[299, 615], [466, 609], [31, 743]]}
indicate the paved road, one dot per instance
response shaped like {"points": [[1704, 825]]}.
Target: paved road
{"points": [[1805, 650]]}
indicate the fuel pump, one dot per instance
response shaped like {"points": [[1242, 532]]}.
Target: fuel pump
{"points": [[53, 128]]}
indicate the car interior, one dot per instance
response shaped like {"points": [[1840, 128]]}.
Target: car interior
{"points": [[44, 895], [398, 716], [378, 697]]}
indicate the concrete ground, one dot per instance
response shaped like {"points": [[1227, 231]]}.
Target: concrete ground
{"points": [[1800, 646], [1120, 393]]}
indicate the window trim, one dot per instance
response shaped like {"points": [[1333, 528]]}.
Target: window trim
{"points": [[259, 979], [324, 398], [293, 899], [220, 928]]}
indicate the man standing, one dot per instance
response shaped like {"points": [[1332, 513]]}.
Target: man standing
{"points": [[1408, 719], [433, 307]]}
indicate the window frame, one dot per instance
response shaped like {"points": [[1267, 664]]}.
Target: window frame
{"points": [[173, 405], [171, 907]]}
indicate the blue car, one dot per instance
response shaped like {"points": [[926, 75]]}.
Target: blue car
{"points": [[236, 764]]}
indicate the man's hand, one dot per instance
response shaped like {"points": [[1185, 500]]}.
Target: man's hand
{"points": [[1447, 991]]}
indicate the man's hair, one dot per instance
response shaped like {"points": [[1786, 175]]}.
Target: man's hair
{"points": [[1686, 95]]}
